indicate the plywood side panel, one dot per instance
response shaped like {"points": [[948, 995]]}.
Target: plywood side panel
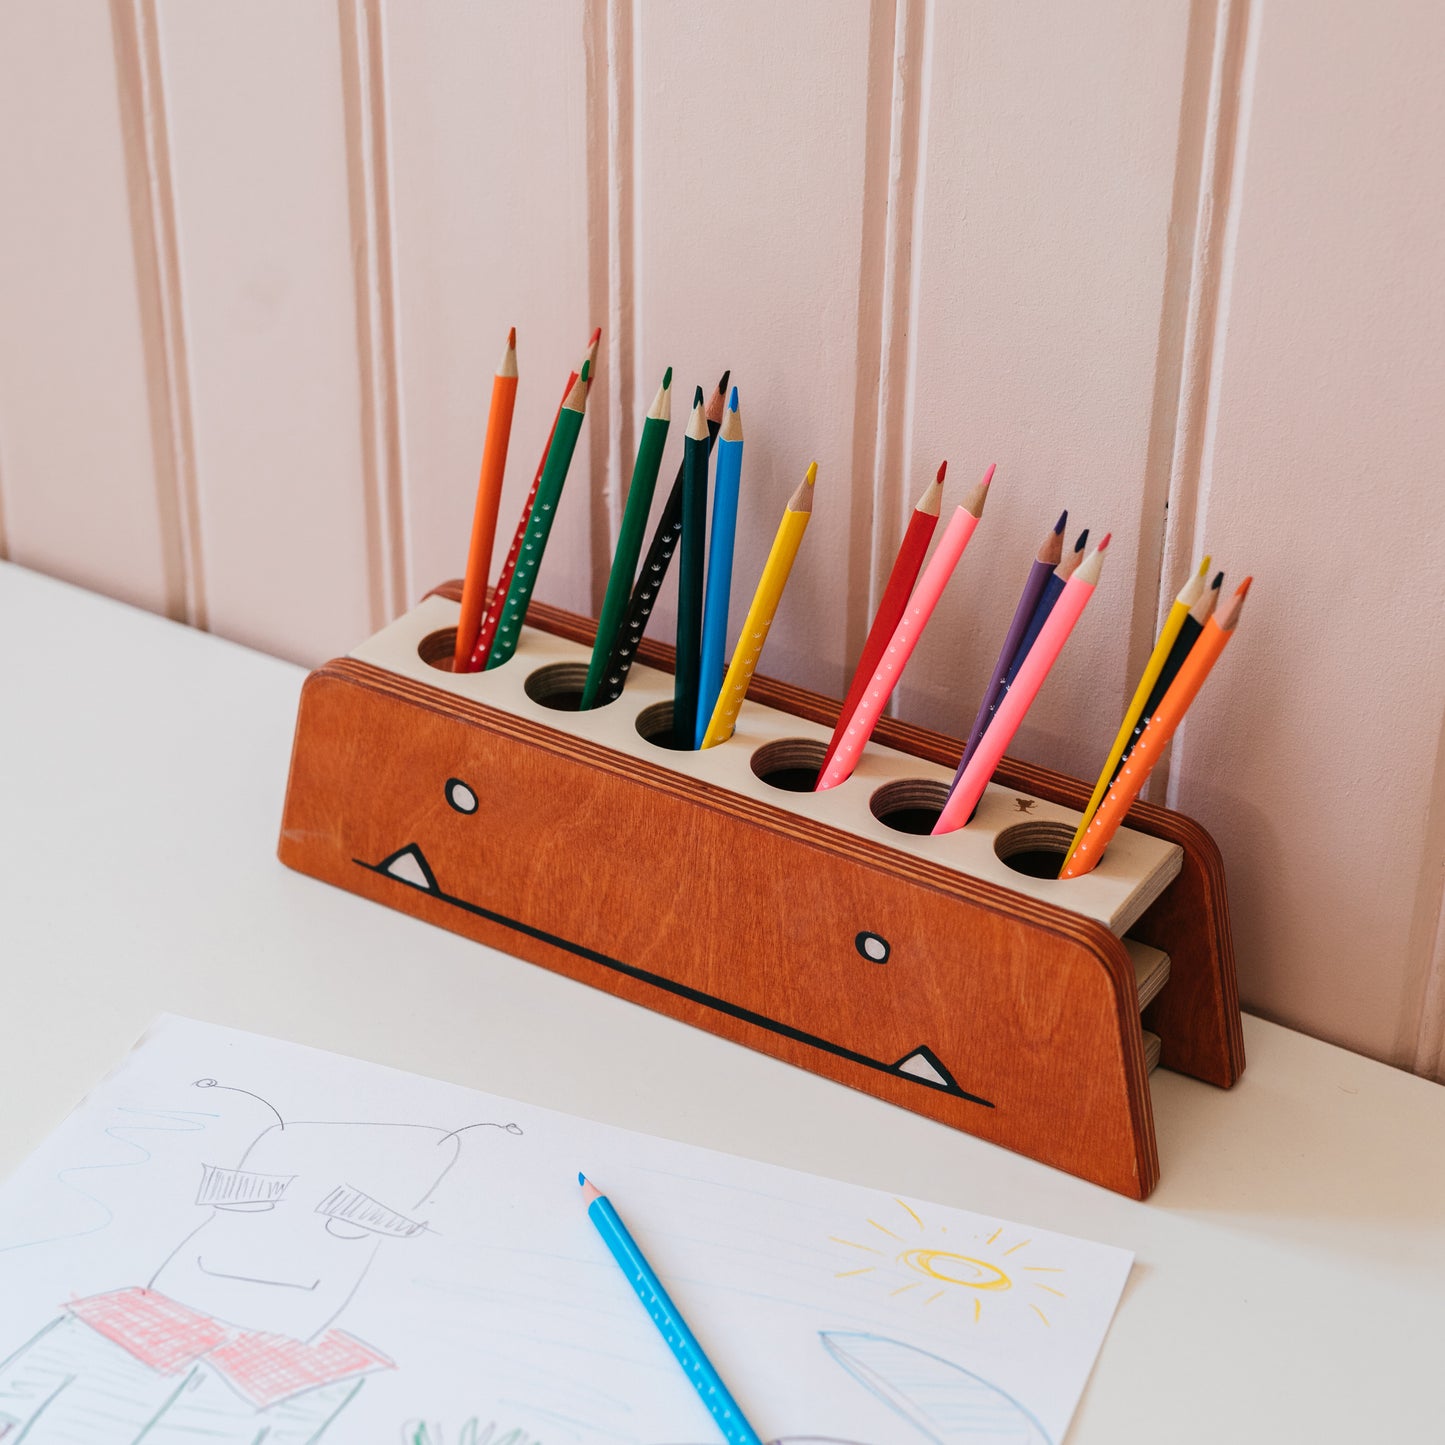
{"points": [[487, 110], [750, 183], [1313, 754], [1049, 140], [259, 162], [78, 456]]}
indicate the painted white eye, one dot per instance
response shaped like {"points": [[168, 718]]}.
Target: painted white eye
{"points": [[872, 947], [460, 796]]}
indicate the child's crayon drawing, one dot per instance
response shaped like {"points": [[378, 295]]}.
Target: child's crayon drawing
{"points": [[241, 1241]]}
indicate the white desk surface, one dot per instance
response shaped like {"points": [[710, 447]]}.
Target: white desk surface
{"points": [[1290, 1273]]}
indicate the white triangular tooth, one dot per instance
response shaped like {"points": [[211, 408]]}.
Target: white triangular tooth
{"points": [[407, 866], [917, 1065]]}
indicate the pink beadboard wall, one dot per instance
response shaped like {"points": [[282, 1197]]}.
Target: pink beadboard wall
{"points": [[1172, 264]]}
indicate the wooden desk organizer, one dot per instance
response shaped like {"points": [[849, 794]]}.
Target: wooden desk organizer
{"points": [[923, 970]]}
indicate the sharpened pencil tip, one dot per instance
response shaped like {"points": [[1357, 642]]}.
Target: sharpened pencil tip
{"points": [[1083, 539], [1061, 523], [1108, 537], [512, 339], [812, 475], [1204, 565], [667, 378], [942, 468], [722, 386], [732, 400], [1218, 580], [581, 1177], [586, 373], [596, 337], [697, 397], [988, 475], [1243, 589]]}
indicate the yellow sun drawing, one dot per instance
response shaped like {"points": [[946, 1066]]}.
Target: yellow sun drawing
{"points": [[986, 1267]]}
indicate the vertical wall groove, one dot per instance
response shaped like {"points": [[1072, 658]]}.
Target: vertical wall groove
{"points": [[158, 289], [363, 88], [1421, 1045], [1428, 1056], [608, 36], [1210, 151], [891, 170]]}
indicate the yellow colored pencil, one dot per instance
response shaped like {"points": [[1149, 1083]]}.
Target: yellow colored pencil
{"points": [[1187, 596], [796, 516]]}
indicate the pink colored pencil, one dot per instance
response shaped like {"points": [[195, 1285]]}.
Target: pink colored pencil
{"points": [[492, 618], [906, 567], [905, 636], [1041, 657]]}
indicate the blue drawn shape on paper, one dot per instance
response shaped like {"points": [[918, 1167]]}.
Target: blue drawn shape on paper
{"points": [[944, 1402], [178, 1121]]}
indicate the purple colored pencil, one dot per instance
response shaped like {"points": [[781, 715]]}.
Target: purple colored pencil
{"points": [[1053, 590], [1041, 569]]}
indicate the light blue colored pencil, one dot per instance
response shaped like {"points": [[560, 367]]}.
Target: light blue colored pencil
{"points": [[720, 562], [668, 1319]]}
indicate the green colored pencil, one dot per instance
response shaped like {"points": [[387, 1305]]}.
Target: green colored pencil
{"points": [[629, 539], [539, 526], [690, 579]]}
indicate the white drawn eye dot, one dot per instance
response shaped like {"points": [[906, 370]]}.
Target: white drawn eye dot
{"points": [[460, 796], [874, 948]]}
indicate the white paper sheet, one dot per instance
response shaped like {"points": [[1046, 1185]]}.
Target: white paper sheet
{"points": [[407, 1262]]}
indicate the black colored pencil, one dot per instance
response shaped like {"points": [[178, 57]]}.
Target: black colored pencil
{"points": [[695, 449], [1199, 614], [654, 569]]}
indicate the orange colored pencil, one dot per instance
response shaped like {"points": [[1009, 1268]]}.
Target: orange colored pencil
{"points": [[489, 497], [1162, 726], [482, 651]]}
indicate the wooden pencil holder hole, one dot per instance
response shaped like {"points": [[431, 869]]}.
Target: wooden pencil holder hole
{"points": [[558, 685], [791, 764], [438, 649], [910, 805], [1036, 848], [655, 725]]}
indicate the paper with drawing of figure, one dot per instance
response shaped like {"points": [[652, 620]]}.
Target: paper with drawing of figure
{"points": [[234, 1239]]}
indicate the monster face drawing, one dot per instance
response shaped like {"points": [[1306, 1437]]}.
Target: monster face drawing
{"points": [[857, 950]]}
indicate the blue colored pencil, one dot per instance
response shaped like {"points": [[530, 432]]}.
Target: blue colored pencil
{"points": [[720, 562], [668, 1319]]}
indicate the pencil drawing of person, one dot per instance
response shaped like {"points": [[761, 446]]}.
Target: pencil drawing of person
{"points": [[235, 1336]]}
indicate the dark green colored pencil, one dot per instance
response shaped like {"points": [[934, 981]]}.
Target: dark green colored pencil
{"points": [[629, 537], [539, 526], [654, 569], [690, 578]]}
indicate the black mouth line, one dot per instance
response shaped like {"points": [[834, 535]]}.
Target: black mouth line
{"points": [[947, 1085]]}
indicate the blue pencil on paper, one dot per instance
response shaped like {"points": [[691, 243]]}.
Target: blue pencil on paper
{"points": [[720, 563], [668, 1319]]}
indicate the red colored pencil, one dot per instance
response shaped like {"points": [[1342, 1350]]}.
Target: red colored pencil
{"points": [[906, 567], [493, 616]]}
